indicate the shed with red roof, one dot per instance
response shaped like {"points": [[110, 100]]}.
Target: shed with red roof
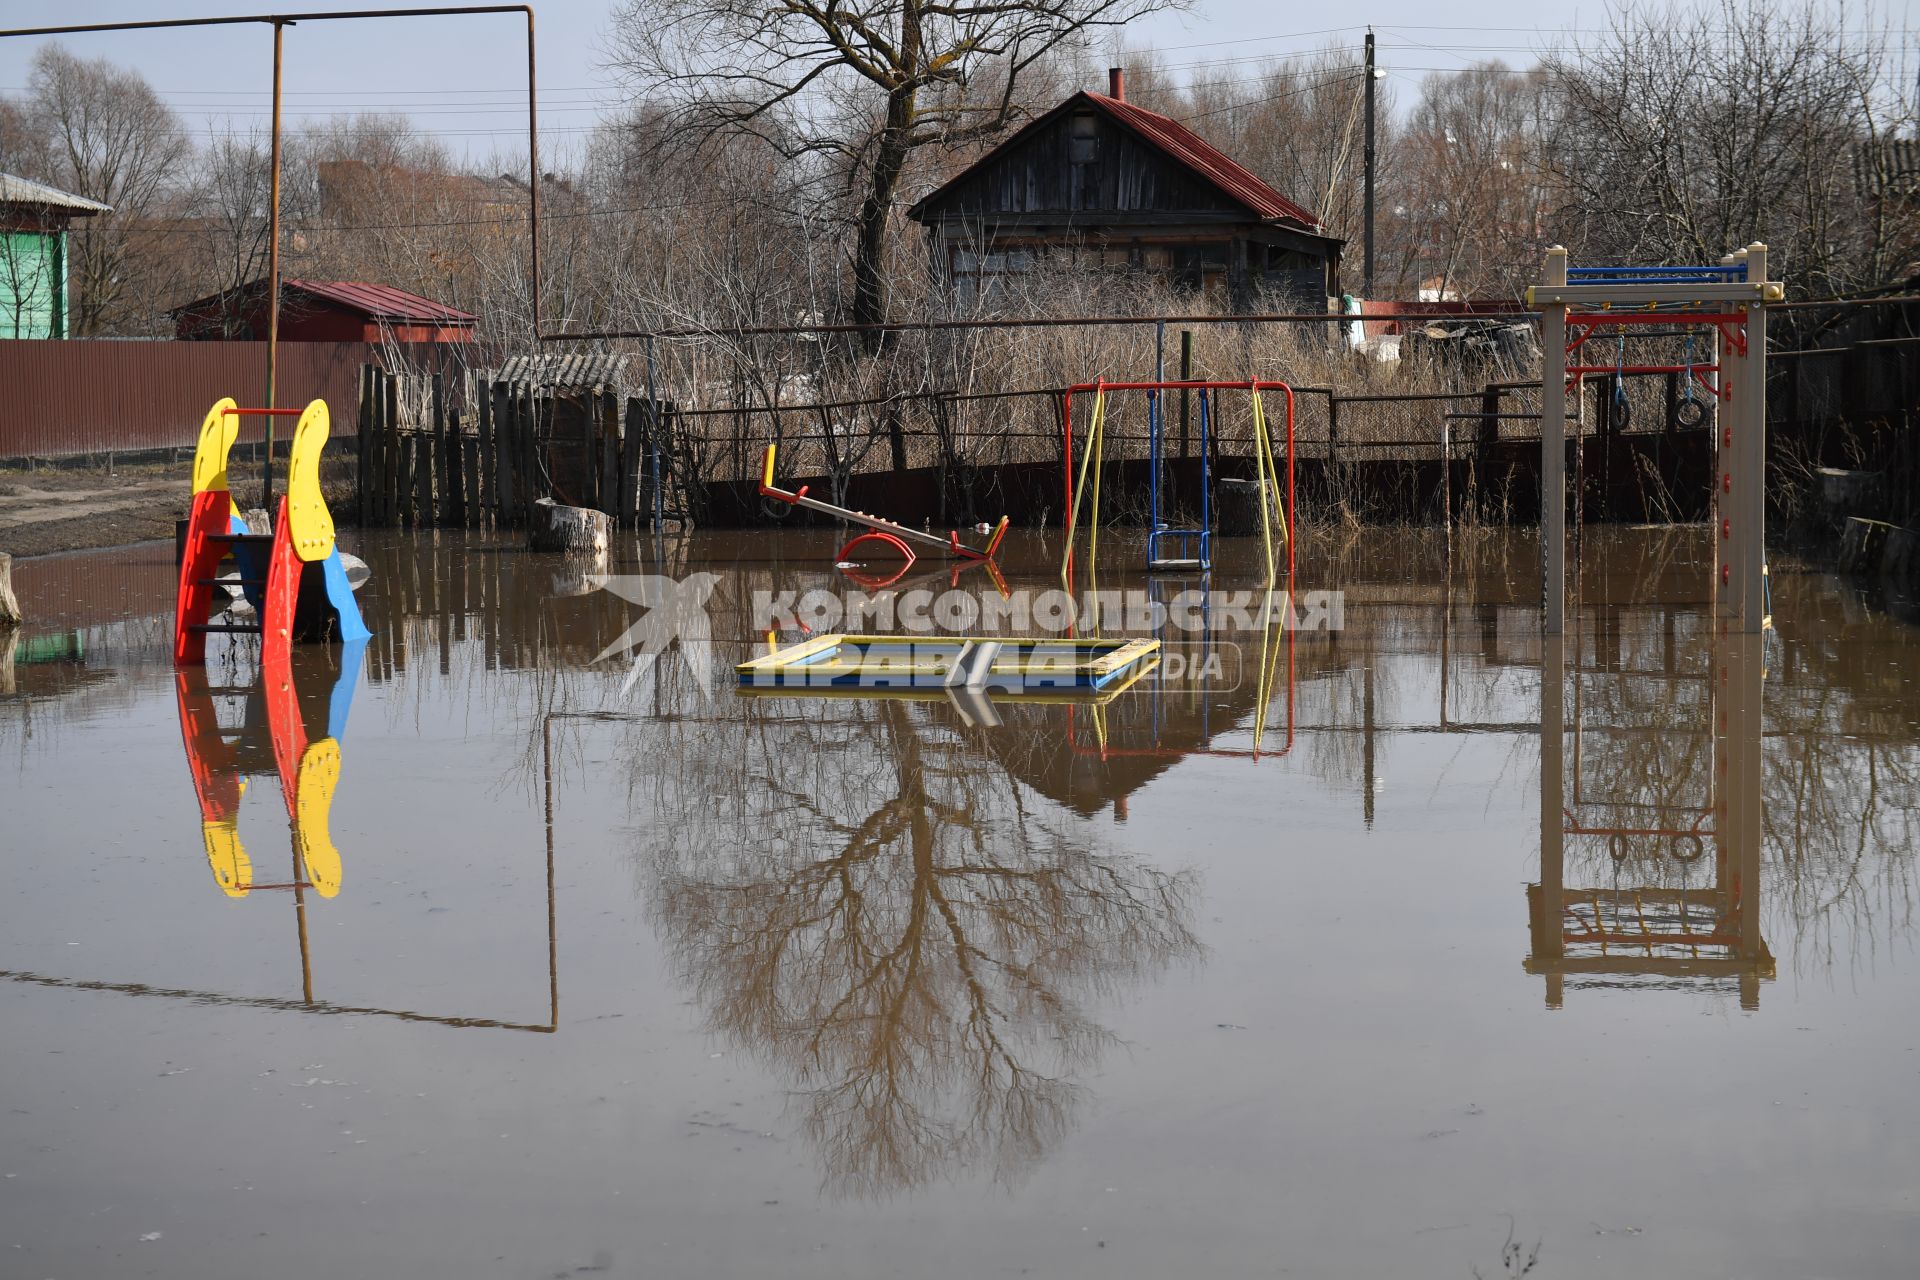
{"points": [[1127, 189], [322, 311]]}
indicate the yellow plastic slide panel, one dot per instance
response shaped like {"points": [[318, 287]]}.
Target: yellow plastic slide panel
{"points": [[308, 519], [313, 799], [217, 433], [232, 869]]}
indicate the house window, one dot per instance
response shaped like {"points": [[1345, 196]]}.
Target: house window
{"points": [[1080, 142], [1082, 148], [982, 277], [1201, 266]]}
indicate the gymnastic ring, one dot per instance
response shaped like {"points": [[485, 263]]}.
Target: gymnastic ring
{"points": [[1687, 841], [1617, 847], [1689, 413], [1622, 411], [774, 509]]}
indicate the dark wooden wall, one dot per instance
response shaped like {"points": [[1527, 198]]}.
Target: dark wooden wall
{"points": [[1125, 176]]}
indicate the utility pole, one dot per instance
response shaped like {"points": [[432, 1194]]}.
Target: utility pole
{"points": [[1366, 286], [273, 273]]}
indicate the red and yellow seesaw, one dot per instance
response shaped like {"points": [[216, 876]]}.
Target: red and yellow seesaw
{"points": [[885, 532]]}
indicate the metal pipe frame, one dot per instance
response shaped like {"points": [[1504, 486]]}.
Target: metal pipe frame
{"points": [[1252, 386], [1739, 293]]}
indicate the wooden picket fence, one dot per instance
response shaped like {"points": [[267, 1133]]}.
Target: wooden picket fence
{"points": [[482, 457]]}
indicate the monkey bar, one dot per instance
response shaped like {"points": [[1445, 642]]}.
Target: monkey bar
{"points": [[1730, 299]]}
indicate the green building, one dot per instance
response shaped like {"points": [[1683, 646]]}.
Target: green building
{"points": [[33, 256]]}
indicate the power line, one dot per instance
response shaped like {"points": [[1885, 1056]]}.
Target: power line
{"points": [[1291, 93], [547, 215]]}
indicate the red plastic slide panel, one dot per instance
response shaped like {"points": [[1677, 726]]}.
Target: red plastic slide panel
{"points": [[284, 568], [216, 781], [284, 720], [209, 515]]}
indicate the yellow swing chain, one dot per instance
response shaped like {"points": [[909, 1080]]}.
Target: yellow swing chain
{"points": [[1095, 430], [1270, 483]]}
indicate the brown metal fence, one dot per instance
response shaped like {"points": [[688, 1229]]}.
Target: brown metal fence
{"points": [[81, 396]]}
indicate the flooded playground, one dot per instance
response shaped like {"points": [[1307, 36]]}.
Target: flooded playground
{"points": [[1416, 947]]}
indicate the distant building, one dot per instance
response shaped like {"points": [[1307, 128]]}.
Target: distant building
{"points": [[1126, 189], [348, 189], [34, 297], [322, 311]]}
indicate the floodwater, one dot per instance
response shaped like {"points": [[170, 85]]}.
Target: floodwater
{"points": [[1301, 969]]}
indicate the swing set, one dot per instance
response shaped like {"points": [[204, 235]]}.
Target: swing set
{"points": [[1195, 545]]}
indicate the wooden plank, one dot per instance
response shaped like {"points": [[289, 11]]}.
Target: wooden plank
{"points": [[633, 455], [469, 448], [533, 484], [360, 421], [609, 419], [453, 490], [504, 507], [404, 490], [390, 489], [483, 472], [368, 506], [427, 444], [376, 443], [442, 501]]}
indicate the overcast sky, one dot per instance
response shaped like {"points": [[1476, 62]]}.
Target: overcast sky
{"points": [[465, 78]]}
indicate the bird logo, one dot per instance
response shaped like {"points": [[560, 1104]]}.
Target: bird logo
{"points": [[677, 611]]}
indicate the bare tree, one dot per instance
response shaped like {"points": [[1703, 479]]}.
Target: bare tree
{"points": [[23, 150], [230, 204], [1472, 181], [109, 138], [915, 942], [1680, 140], [862, 85]]}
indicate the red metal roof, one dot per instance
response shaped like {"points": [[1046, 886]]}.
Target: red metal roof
{"points": [[376, 301], [1205, 159], [1175, 140], [382, 302]]}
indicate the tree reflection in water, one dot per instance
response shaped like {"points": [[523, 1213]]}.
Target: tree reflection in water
{"points": [[869, 902]]}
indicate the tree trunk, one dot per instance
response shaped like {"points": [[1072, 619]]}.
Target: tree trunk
{"points": [[9, 607], [870, 292], [574, 529]]}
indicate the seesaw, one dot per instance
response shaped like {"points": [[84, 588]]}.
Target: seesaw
{"points": [[293, 576], [886, 532]]}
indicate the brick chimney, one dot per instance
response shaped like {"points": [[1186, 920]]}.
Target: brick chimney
{"points": [[1117, 83]]}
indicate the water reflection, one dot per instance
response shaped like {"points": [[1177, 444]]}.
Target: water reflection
{"points": [[909, 919], [291, 724], [868, 900], [1650, 785]]}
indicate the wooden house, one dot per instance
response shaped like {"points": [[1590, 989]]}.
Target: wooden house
{"points": [[1124, 188], [34, 293]]}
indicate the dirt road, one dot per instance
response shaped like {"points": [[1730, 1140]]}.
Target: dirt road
{"points": [[46, 511]]}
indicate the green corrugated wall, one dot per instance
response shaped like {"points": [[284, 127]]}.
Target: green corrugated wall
{"points": [[33, 284]]}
